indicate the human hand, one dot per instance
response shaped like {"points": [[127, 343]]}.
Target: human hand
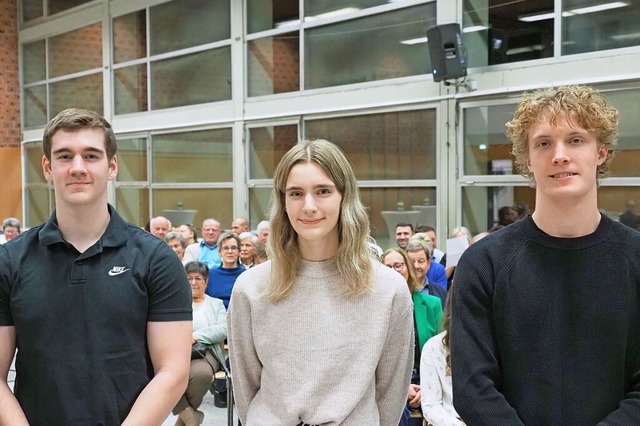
{"points": [[415, 396]]}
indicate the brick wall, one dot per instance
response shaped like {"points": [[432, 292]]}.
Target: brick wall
{"points": [[9, 90], [10, 175]]}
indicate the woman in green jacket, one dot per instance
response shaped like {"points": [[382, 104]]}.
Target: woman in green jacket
{"points": [[427, 315]]}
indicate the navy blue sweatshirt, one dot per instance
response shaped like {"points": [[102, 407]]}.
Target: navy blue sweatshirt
{"points": [[546, 331]]}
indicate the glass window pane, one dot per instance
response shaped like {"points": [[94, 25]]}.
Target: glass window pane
{"points": [[31, 9], [259, 199], [480, 204], [76, 51], [274, 64], [192, 23], [191, 79], [33, 62], [35, 106], [392, 145], [377, 47], [487, 150], [215, 203], [132, 160], [33, 157], [133, 204], [55, 6], [202, 156], [129, 37], [382, 205], [589, 26], [626, 162], [267, 145], [40, 203], [267, 14], [498, 31], [316, 9], [83, 92], [130, 89], [612, 201]]}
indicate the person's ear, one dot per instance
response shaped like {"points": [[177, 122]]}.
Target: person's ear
{"points": [[603, 152], [46, 168], [113, 168]]}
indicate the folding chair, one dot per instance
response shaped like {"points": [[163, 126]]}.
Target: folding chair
{"points": [[227, 375]]}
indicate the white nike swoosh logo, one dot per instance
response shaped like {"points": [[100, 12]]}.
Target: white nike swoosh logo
{"points": [[113, 273]]}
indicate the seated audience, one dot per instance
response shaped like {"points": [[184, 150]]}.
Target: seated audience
{"points": [[222, 278], [457, 232], [522, 210], [419, 253], [248, 244], [206, 251], [188, 232], [438, 255], [177, 244], [10, 228], [436, 273], [506, 216], [478, 237], [263, 232], [427, 315], [404, 231], [261, 254], [159, 226], [221, 281], [461, 231], [209, 327], [240, 225], [435, 378]]}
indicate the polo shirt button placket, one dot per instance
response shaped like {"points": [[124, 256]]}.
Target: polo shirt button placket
{"points": [[78, 273]]}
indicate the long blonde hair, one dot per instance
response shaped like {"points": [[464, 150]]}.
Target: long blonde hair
{"points": [[353, 258], [415, 286]]}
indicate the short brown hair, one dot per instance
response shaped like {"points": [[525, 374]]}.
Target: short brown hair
{"points": [[582, 104], [76, 119]]}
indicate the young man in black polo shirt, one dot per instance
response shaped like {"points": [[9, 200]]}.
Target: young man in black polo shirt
{"points": [[546, 319], [99, 310]]}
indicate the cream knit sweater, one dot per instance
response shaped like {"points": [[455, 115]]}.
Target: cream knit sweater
{"points": [[317, 356]]}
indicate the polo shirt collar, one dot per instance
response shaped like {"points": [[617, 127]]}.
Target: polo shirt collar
{"points": [[203, 244], [115, 235]]}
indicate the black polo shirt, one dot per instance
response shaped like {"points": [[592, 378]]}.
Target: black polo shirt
{"points": [[81, 319]]}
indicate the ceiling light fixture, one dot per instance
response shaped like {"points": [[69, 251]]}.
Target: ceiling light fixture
{"points": [[332, 14], [474, 28], [578, 11], [415, 41], [599, 7]]}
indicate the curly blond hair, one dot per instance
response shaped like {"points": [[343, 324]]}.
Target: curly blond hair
{"points": [[584, 107]]}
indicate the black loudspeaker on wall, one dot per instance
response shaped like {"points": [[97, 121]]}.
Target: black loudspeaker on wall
{"points": [[447, 52]]}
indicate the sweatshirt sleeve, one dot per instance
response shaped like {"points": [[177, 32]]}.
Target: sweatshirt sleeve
{"points": [[246, 368], [628, 411], [475, 363], [393, 374]]}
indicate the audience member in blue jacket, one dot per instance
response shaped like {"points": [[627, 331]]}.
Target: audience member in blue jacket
{"points": [[223, 277], [436, 273]]}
